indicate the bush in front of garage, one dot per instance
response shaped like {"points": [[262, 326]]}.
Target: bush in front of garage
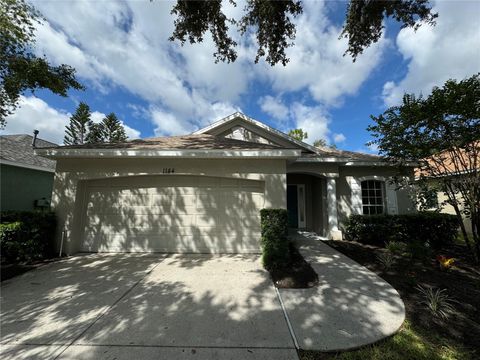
{"points": [[26, 236], [275, 243], [428, 228]]}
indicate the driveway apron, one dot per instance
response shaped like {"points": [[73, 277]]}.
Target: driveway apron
{"points": [[145, 306]]}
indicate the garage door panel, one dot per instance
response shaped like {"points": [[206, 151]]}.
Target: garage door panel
{"points": [[137, 220], [173, 214]]}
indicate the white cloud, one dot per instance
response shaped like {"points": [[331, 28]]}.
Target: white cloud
{"points": [[339, 138], [274, 107], [167, 124], [317, 62], [312, 119], [125, 44], [34, 113], [122, 44], [451, 49]]}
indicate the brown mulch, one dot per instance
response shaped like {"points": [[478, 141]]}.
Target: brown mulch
{"points": [[299, 274], [462, 284]]}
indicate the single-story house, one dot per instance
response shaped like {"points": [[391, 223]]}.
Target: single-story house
{"points": [[203, 192], [447, 169], [26, 179]]}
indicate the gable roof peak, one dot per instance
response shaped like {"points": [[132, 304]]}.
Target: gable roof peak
{"points": [[239, 115]]}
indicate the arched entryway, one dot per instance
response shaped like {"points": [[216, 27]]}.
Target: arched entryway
{"points": [[306, 202]]}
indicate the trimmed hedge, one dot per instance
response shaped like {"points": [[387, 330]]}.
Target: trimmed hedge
{"points": [[434, 229], [27, 235], [275, 243]]}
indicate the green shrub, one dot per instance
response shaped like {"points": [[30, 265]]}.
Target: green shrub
{"points": [[387, 259], [275, 250], [430, 228], [27, 235], [419, 250], [395, 247]]}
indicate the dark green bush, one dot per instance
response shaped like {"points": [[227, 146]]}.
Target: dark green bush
{"points": [[27, 235], [275, 243], [430, 228]]}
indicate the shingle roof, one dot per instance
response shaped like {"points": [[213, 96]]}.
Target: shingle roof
{"points": [[325, 151], [18, 149], [194, 142]]}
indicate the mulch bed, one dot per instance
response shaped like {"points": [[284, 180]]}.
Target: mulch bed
{"points": [[299, 274], [462, 283]]}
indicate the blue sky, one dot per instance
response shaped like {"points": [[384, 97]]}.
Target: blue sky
{"points": [[122, 55]]}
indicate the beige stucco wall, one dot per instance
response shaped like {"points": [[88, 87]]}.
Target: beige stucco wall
{"points": [[72, 176], [448, 209], [316, 182], [344, 198]]}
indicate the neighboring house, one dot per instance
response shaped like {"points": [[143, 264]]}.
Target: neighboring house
{"points": [[26, 179], [448, 169], [203, 192]]}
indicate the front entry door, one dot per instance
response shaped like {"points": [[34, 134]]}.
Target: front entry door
{"points": [[296, 205]]}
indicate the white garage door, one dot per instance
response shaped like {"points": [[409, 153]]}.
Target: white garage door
{"points": [[173, 213]]}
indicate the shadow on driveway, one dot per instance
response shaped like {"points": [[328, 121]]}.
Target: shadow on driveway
{"points": [[144, 306]]}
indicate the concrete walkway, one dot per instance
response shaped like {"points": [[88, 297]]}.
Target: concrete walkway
{"points": [[351, 307], [134, 306]]}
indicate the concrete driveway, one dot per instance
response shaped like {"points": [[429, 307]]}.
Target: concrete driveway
{"points": [[144, 307]]}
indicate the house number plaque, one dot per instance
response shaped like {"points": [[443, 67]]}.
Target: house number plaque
{"points": [[168, 170]]}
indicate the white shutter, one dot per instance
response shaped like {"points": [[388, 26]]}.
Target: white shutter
{"points": [[356, 195], [391, 198]]}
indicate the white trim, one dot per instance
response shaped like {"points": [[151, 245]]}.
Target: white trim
{"points": [[390, 203], [372, 177], [301, 206], [26, 166], [377, 163], [333, 231], [320, 159], [180, 153], [261, 125]]}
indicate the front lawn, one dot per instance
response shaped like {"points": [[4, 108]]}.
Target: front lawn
{"points": [[424, 335]]}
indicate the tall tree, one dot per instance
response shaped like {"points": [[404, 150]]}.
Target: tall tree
{"points": [[298, 134], [271, 21], [95, 133], [112, 129], [443, 130], [320, 143], [77, 130], [20, 69]]}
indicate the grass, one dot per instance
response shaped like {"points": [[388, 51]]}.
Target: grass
{"points": [[407, 344]]}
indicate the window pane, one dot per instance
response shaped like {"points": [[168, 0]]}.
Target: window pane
{"points": [[372, 197]]}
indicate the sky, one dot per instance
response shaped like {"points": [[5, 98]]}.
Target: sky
{"points": [[157, 87]]}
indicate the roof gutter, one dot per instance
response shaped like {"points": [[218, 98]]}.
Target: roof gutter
{"points": [[173, 153], [349, 161]]}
